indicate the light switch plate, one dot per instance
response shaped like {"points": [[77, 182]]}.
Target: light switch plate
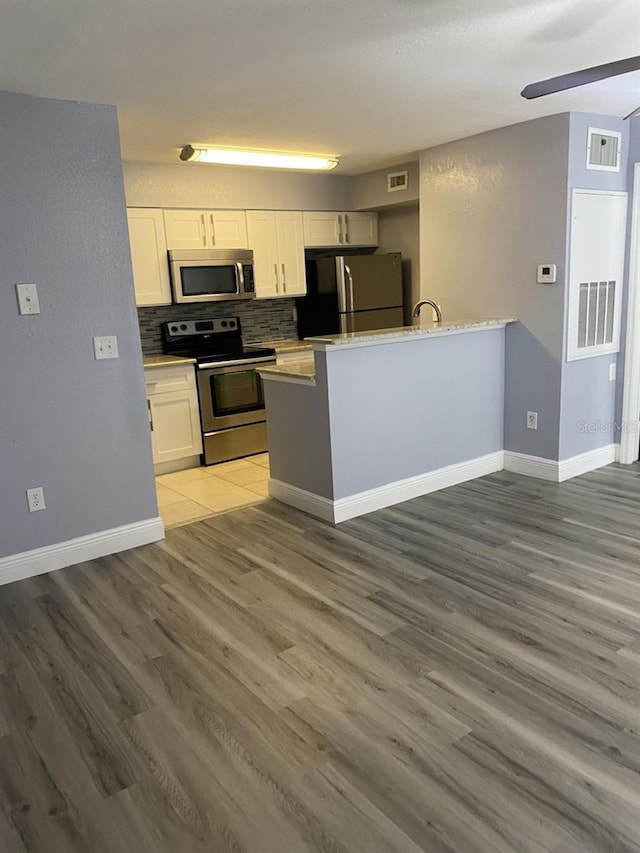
{"points": [[105, 346], [28, 301]]}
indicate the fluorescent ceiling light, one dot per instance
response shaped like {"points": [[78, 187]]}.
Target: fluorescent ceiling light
{"points": [[248, 157]]}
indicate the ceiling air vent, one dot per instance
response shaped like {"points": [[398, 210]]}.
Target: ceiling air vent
{"points": [[397, 181], [603, 149]]}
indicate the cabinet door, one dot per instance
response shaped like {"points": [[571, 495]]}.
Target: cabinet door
{"points": [[227, 229], [360, 229], [149, 256], [186, 229], [321, 228], [261, 229], [175, 425], [289, 230]]}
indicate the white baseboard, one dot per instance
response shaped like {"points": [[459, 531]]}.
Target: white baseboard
{"points": [[559, 471], [41, 560], [387, 495], [302, 499]]}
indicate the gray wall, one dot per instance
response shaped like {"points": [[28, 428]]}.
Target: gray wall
{"points": [[207, 186], [75, 426], [298, 434], [492, 207], [587, 419], [369, 191], [405, 409], [399, 231]]}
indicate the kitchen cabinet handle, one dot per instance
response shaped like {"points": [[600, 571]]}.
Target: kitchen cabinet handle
{"points": [[275, 273], [346, 228], [213, 230], [284, 280], [150, 414], [204, 230], [340, 240]]}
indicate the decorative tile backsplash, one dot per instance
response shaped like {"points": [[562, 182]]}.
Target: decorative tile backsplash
{"points": [[260, 320]]}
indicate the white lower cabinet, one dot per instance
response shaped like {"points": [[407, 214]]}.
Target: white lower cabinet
{"points": [[174, 417], [276, 237]]}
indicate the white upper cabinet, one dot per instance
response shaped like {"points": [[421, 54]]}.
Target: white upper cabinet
{"points": [[206, 229], [149, 256], [330, 228], [276, 238]]}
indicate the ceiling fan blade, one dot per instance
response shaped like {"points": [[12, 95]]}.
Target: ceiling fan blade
{"points": [[580, 78], [633, 113]]}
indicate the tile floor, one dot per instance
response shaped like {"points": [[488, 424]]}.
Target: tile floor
{"points": [[197, 493]]}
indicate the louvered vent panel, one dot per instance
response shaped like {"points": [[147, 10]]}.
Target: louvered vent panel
{"points": [[596, 312], [603, 150]]}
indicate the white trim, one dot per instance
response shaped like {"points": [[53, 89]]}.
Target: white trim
{"points": [[308, 502], [531, 466], [176, 465], [387, 495], [558, 472], [41, 560], [631, 380], [617, 452]]}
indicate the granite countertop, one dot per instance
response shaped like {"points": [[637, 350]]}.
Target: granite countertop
{"points": [[286, 346], [165, 360], [302, 370], [383, 336]]}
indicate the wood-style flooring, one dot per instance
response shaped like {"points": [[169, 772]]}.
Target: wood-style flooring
{"points": [[457, 673]]}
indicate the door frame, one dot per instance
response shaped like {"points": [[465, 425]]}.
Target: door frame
{"points": [[629, 435]]}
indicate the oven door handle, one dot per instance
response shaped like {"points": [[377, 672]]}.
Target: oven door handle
{"points": [[212, 364]]}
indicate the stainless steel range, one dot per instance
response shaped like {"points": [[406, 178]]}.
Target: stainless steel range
{"points": [[232, 414]]}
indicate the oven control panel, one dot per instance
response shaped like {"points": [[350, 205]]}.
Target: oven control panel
{"points": [[202, 327]]}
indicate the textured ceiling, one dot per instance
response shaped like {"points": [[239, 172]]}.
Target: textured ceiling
{"points": [[368, 80]]}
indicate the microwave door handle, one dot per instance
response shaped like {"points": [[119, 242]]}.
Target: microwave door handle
{"points": [[240, 275]]}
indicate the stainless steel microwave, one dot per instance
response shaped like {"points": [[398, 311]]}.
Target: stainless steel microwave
{"points": [[211, 275]]}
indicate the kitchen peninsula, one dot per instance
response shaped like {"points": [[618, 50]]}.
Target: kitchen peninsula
{"points": [[376, 418]]}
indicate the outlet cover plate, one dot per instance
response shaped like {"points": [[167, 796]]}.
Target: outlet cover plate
{"points": [[35, 499], [105, 346], [28, 302]]}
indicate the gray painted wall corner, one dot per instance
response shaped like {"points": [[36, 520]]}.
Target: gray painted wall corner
{"points": [[74, 425]]}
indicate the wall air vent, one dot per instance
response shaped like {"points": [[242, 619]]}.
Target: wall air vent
{"points": [[603, 149], [397, 181]]}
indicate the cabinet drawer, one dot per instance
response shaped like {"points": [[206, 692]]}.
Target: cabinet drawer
{"points": [[160, 380]]}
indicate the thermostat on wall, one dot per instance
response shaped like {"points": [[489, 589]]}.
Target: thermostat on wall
{"points": [[546, 273]]}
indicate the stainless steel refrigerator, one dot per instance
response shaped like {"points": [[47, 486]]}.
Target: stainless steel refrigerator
{"points": [[355, 293]]}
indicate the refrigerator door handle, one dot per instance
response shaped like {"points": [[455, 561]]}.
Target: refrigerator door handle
{"points": [[346, 323], [347, 270], [341, 283]]}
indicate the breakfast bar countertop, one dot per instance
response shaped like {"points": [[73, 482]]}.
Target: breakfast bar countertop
{"points": [[384, 336]]}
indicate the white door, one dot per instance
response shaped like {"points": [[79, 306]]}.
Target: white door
{"points": [[322, 228], [149, 256], [289, 231], [227, 229], [261, 231], [360, 229], [186, 229], [175, 425]]}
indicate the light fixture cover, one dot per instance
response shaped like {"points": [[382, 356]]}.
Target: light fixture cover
{"points": [[249, 157]]}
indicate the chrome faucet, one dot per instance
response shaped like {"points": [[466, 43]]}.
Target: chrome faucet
{"points": [[418, 306]]}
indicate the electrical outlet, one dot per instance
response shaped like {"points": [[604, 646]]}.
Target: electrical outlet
{"points": [[35, 499], [106, 346], [612, 372], [532, 420], [28, 302]]}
